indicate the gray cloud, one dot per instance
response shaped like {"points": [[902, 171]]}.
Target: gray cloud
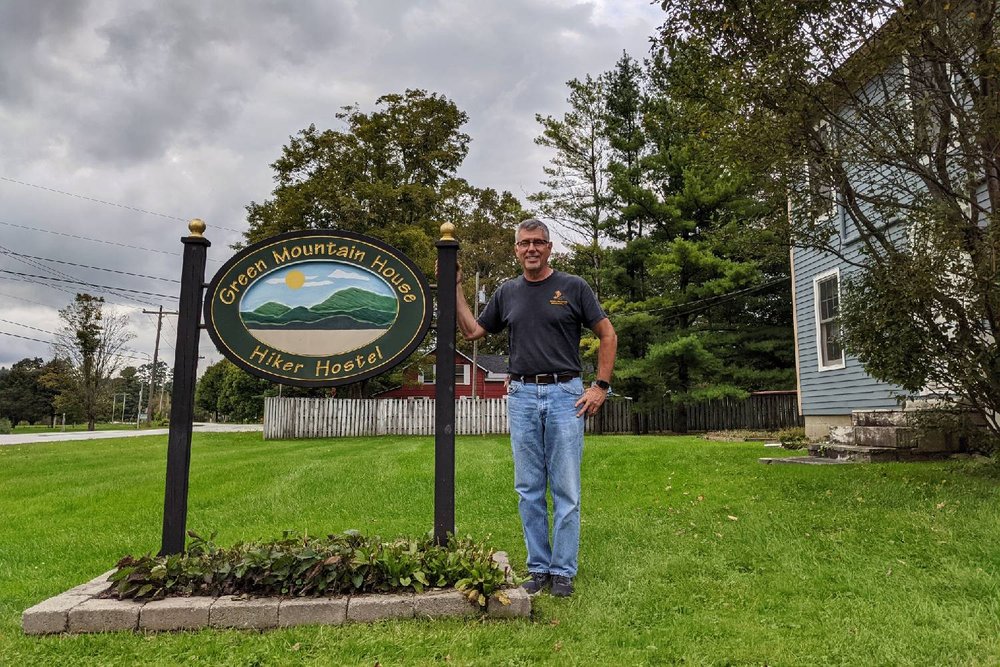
{"points": [[179, 107]]}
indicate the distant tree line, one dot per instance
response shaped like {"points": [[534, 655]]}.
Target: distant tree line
{"points": [[87, 379]]}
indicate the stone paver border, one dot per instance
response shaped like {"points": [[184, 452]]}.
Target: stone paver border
{"points": [[82, 610]]}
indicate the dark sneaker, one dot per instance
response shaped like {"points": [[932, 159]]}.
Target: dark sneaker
{"points": [[562, 587], [538, 582]]}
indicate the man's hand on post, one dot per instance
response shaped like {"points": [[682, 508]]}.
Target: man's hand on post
{"points": [[591, 401], [458, 272]]}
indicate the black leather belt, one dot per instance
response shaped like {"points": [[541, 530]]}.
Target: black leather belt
{"points": [[544, 378]]}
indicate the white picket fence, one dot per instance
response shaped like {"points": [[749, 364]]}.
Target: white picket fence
{"points": [[326, 417], [331, 417]]}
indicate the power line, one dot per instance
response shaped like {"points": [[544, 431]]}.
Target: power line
{"points": [[38, 266], [51, 333], [86, 284], [21, 298], [30, 262], [93, 240], [49, 342], [108, 203], [717, 299], [132, 303], [87, 238], [37, 340], [99, 201], [96, 268]]}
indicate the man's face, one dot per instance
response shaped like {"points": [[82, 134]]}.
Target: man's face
{"points": [[532, 249]]}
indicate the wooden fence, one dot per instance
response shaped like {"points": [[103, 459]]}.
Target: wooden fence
{"points": [[763, 411], [326, 417]]}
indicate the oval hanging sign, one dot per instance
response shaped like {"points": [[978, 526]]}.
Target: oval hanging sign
{"points": [[318, 308]]}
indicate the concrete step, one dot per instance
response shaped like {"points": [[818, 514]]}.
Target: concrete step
{"points": [[804, 460], [855, 453], [878, 418], [842, 435], [897, 437], [866, 454], [903, 437]]}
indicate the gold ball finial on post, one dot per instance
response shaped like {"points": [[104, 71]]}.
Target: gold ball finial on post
{"points": [[447, 232], [196, 227]]}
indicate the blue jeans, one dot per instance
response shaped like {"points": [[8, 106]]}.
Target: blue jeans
{"points": [[546, 437]]}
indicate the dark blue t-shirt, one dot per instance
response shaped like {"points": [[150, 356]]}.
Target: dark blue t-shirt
{"points": [[545, 319]]}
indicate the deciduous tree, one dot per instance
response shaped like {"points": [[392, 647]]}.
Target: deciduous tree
{"points": [[92, 339], [887, 112], [23, 395], [381, 175]]}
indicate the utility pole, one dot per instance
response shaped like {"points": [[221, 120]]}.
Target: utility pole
{"points": [[475, 343], [156, 355], [138, 406]]}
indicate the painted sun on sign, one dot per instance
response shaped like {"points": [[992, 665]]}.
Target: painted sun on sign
{"points": [[319, 308]]}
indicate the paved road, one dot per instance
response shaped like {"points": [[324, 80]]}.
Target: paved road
{"points": [[30, 438]]}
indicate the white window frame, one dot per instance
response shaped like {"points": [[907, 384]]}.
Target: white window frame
{"points": [[822, 191], [956, 84], [431, 375], [820, 343]]}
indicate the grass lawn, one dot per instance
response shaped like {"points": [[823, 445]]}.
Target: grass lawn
{"points": [[692, 552]]}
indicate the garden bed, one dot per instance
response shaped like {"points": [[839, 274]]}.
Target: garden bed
{"points": [[88, 608]]}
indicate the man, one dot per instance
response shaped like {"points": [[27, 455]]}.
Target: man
{"points": [[545, 311]]}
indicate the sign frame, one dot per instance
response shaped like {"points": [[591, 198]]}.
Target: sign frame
{"points": [[246, 268]]}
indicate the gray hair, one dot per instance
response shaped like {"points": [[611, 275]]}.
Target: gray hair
{"points": [[530, 225]]}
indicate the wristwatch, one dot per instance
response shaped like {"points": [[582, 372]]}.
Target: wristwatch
{"points": [[602, 385]]}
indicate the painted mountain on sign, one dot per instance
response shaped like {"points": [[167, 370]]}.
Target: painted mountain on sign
{"points": [[351, 308]]}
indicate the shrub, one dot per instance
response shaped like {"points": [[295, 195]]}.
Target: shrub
{"points": [[302, 566], [5, 426], [965, 426], [793, 438]]}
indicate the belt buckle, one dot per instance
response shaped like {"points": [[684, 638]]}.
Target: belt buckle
{"points": [[554, 378]]}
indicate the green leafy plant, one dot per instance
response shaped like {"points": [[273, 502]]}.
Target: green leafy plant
{"points": [[5, 426], [964, 427], [793, 438], [302, 566]]}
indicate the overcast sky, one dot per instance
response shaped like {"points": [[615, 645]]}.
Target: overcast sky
{"points": [[166, 110]]}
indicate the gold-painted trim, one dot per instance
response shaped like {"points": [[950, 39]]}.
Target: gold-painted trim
{"points": [[322, 382], [197, 227], [447, 232]]}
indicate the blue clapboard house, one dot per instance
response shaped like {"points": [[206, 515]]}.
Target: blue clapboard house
{"points": [[895, 100]]}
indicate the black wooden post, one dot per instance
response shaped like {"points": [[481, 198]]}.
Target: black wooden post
{"points": [[444, 414], [185, 374]]}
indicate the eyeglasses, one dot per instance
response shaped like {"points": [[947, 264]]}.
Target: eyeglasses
{"points": [[527, 243]]}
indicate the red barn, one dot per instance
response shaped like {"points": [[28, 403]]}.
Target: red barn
{"points": [[488, 375]]}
